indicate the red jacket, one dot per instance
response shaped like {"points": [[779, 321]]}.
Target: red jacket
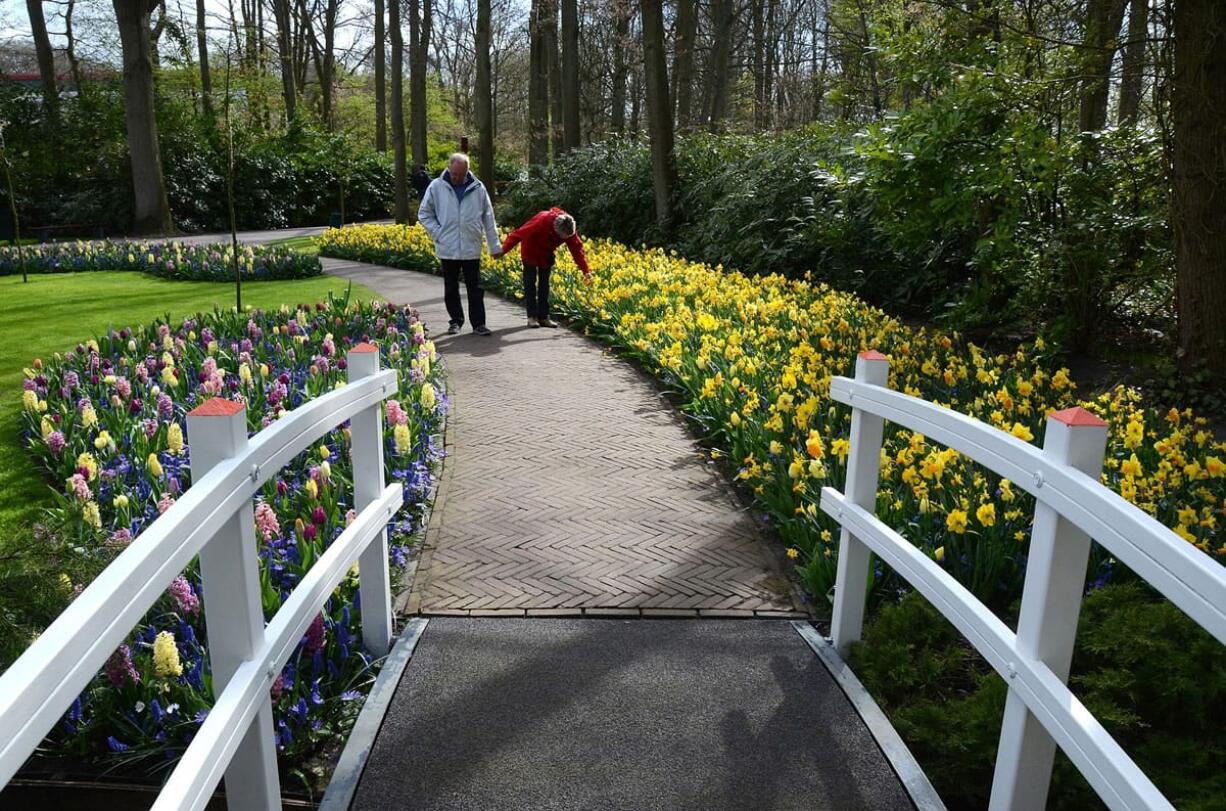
{"points": [[540, 240]]}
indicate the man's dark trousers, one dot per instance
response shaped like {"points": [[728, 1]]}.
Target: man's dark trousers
{"points": [[471, 268], [536, 291]]}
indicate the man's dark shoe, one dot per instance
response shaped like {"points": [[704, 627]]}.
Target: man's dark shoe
{"points": [[453, 328], [482, 330], [545, 322]]}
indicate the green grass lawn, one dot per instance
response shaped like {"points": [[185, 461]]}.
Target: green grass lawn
{"points": [[308, 246], [52, 313]]}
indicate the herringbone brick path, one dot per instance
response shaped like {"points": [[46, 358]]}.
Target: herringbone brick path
{"points": [[571, 486]]}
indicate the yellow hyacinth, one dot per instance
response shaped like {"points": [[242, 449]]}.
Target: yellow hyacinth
{"points": [[153, 466], [402, 438], [166, 662], [174, 439]]}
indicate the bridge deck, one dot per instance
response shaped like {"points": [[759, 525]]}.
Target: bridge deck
{"points": [[621, 714]]}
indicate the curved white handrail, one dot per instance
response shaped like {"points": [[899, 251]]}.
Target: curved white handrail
{"points": [[202, 766], [37, 689], [1107, 767], [1184, 574]]}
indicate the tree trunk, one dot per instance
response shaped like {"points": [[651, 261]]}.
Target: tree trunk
{"points": [[1102, 31], [659, 115], [721, 61], [419, 48], [202, 45], [1198, 110], [621, 43], [151, 209], [46, 59], [282, 13], [1133, 80], [70, 50], [570, 75], [401, 183], [758, 8], [381, 78], [683, 61], [555, 75], [484, 100], [538, 88]]}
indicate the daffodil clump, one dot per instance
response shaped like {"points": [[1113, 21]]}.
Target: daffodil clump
{"points": [[752, 358], [169, 260]]}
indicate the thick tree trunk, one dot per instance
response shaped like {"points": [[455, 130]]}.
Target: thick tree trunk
{"points": [[1133, 80], [1102, 31], [283, 14], [683, 62], [721, 61], [419, 47], [538, 88], [202, 46], [621, 43], [570, 75], [151, 209], [380, 58], [659, 115], [484, 100], [70, 50], [401, 183], [553, 57], [46, 59], [758, 8], [1198, 110]]}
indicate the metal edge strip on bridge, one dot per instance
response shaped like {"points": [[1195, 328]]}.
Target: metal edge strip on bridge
{"points": [[352, 762], [891, 744]]}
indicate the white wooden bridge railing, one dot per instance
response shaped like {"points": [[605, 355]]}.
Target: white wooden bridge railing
{"points": [[1072, 507], [214, 519]]}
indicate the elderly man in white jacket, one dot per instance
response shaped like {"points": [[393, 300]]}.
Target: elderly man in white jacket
{"points": [[457, 213]]}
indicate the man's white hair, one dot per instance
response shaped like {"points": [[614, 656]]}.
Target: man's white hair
{"points": [[458, 157], [565, 225]]}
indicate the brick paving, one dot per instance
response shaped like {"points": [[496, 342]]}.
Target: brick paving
{"points": [[571, 486]]}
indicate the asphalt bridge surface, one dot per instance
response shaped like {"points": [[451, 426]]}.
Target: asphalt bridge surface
{"points": [[621, 714]]}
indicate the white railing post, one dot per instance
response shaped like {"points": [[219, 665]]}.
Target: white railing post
{"points": [[229, 569], [1047, 625], [863, 468], [366, 430]]}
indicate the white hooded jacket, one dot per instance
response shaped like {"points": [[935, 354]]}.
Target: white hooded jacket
{"points": [[458, 226]]}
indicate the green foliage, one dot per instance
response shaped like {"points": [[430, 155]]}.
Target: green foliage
{"points": [[1154, 679], [964, 209]]}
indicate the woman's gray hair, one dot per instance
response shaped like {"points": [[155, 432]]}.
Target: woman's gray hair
{"points": [[565, 225]]}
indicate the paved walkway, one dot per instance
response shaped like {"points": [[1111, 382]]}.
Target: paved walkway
{"points": [[572, 486], [543, 715]]}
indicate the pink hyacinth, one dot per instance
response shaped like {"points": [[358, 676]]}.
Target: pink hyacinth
{"points": [[395, 414], [120, 668], [185, 598], [266, 521], [56, 442], [79, 487], [123, 387], [120, 538], [277, 688], [165, 502]]}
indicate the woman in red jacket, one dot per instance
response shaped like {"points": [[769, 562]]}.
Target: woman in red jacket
{"points": [[540, 237]]}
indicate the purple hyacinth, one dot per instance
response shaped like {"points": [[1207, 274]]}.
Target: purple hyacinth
{"points": [[185, 598], [56, 442], [315, 635], [119, 667]]}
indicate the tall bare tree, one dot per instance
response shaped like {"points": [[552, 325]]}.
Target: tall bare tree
{"points": [[401, 182], [283, 13], [46, 59], [554, 59], [570, 74], [683, 61], [380, 58], [723, 19], [420, 24], [1198, 112], [202, 47], [485, 103], [659, 115], [624, 11], [538, 86], [151, 208], [1102, 31]]}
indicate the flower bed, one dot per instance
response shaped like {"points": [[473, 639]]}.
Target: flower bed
{"points": [[169, 260], [107, 421], [752, 357]]}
